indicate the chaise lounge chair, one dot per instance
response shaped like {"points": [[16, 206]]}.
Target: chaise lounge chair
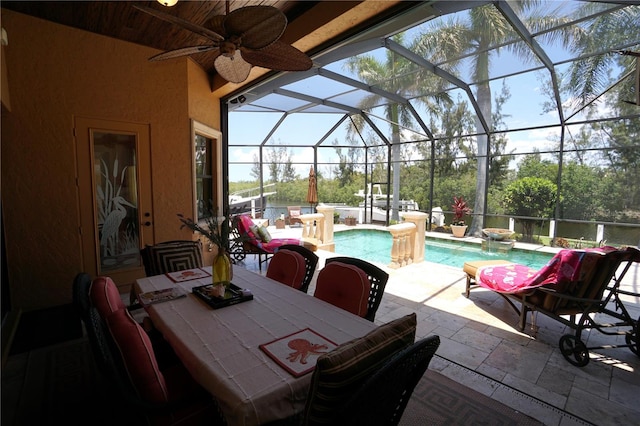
{"points": [[572, 288], [249, 238]]}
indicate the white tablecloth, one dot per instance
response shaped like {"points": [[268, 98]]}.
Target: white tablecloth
{"points": [[220, 347]]}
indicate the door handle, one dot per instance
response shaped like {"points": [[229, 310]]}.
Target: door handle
{"points": [[147, 223]]}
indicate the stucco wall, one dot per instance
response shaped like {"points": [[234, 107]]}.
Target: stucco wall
{"points": [[56, 73]]}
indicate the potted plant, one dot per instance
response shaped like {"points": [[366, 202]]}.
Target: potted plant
{"points": [[221, 268], [460, 208], [350, 221]]}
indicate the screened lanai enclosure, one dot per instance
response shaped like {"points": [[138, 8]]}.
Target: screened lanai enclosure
{"points": [[528, 110]]}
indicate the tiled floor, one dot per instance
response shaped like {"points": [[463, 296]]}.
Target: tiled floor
{"points": [[479, 333]]}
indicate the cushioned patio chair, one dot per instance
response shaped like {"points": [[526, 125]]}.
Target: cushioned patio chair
{"points": [[340, 373], [125, 357], [287, 267], [293, 215], [382, 399], [377, 277], [571, 288], [345, 286], [249, 238], [311, 262]]}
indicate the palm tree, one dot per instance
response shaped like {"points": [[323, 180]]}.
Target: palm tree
{"points": [[395, 75], [447, 42], [588, 77]]}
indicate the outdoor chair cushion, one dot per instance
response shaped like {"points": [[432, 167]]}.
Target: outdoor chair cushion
{"points": [[287, 267], [345, 286], [244, 229], [105, 296], [341, 372], [154, 385]]}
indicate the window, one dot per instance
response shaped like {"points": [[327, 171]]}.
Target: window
{"points": [[207, 182]]}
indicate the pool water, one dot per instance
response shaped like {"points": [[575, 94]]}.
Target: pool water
{"points": [[375, 246]]}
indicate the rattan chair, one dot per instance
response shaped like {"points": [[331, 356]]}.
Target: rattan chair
{"points": [[377, 277], [384, 396], [311, 262]]}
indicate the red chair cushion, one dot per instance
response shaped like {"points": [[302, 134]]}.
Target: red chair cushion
{"points": [[287, 267], [345, 286], [138, 356], [105, 296]]}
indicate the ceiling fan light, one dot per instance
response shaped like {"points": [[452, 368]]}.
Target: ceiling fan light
{"points": [[233, 69], [168, 3]]}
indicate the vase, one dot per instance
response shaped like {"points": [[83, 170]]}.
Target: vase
{"points": [[221, 269], [458, 230]]}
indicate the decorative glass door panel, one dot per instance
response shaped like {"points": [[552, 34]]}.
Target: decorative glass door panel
{"points": [[116, 194]]}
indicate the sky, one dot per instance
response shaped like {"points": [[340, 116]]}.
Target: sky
{"points": [[523, 109]]}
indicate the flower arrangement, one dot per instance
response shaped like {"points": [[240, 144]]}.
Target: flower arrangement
{"points": [[210, 229], [460, 208]]}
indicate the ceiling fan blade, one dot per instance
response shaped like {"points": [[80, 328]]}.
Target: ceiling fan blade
{"points": [[184, 51], [278, 56], [216, 24], [181, 22], [259, 26], [233, 69]]}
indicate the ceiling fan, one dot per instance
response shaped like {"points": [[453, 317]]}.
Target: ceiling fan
{"points": [[246, 37]]}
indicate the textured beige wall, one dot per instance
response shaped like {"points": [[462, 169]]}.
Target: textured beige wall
{"points": [[56, 73]]}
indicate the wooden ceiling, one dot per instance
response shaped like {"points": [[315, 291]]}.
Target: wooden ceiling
{"points": [[120, 20]]}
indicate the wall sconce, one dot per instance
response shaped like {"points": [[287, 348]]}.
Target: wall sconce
{"points": [[168, 3]]}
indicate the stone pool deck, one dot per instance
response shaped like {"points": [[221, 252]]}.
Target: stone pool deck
{"points": [[482, 349]]}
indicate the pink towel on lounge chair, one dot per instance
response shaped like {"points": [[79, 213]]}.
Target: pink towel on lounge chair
{"points": [[563, 268], [244, 227]]}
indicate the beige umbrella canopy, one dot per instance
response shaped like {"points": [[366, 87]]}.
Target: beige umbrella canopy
{"points": [[312, 193]]}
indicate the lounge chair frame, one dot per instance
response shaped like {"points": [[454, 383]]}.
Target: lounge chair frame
{"points": [[577, 307], [240, 246]]}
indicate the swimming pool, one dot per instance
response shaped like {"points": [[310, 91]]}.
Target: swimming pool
{"points": [[375, 246]]}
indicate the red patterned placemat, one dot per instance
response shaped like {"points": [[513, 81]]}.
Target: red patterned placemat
{"points": [[298, 352], [187, 275]]}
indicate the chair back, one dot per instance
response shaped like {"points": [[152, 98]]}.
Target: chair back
{"points": [[287, 267], [311, 262], [105, 296], [377, 277], [597, 269], [81, 300], [171, 256], [384, 396], [293, 214], [110, 366], [139, 358], [345, 286]]}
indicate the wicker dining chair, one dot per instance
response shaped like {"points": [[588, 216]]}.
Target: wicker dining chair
{"points": [[377, 277], [382, 399], [311, 262]]}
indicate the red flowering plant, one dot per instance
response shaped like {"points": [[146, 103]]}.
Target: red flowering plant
{"points": [[460, 209]]}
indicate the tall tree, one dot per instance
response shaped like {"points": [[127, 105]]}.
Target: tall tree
{"points": [[392, 75], [459, 39]]}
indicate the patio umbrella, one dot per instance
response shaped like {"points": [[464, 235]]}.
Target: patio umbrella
{"points": [[312, 193]]}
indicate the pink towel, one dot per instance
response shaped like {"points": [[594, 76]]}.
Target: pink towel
{"points": [[564, 267]]}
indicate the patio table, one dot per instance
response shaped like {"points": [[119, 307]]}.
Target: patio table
{"points": [[220, 347]]}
